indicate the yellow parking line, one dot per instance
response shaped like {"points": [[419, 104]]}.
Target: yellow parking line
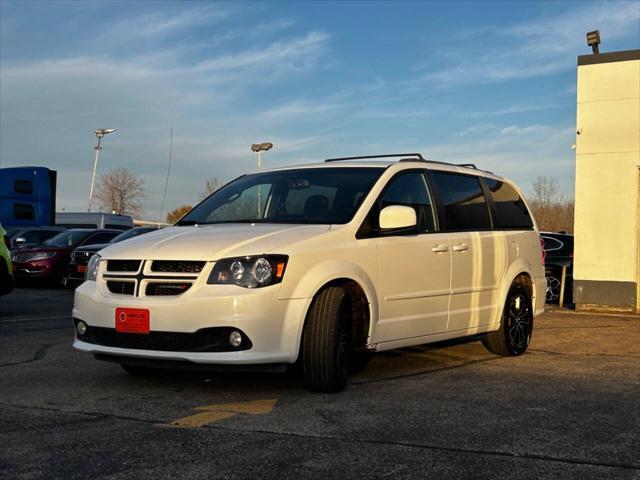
{"points": [[214, 413]]}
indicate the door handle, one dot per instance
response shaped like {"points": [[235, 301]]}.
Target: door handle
{"points": [[440, 249], [462, 247]]}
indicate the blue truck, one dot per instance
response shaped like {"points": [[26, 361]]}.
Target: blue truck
{"points": [[27, 196]]}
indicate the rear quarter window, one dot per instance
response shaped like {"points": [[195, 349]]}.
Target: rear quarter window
{"points": [[510, 210]]}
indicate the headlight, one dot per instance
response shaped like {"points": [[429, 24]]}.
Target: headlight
{"points": [[92, 267], [249, 272], [32, 257]]}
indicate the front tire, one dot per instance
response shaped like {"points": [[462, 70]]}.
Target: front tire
{"points": [[326, 343], [515, 331]]}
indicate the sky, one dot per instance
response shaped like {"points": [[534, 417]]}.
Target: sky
{"points": [[490, 83]]}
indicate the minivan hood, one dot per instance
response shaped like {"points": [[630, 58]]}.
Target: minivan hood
{"points": [[212, 242]]}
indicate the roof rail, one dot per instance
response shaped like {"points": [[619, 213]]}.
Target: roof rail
{"points": [[417, 158], [417, 155]]}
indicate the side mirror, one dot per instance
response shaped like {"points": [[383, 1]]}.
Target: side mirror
{"points": [[20, 241], [395, 217]]}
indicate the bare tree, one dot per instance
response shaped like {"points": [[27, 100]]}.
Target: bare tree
{"points": [[552, 210], [176, 214], [121, 191], [211, 185]]}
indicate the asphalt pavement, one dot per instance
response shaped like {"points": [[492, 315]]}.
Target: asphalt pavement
{"points": [[569, 408]]}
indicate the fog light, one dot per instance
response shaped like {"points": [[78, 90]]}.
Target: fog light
{"points": [[235, 338], [81, 328]]}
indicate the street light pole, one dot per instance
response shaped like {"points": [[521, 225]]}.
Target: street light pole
{"points": [[258, 148], [100, 132]]}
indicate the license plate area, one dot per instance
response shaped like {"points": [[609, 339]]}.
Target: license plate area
{"points": [[132, 320]]}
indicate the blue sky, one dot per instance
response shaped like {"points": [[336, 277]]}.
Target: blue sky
{"points": [[491, 83]]}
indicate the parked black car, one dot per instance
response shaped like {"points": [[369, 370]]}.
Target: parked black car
{"points": [[28, 237], [558, 249], [81, 255]]}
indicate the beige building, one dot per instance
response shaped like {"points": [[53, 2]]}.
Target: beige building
{"points": [[607, 210]]}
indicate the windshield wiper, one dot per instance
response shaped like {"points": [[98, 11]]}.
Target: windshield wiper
{"points": [[186, 223]]}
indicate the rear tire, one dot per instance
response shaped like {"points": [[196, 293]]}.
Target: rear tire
{"points": [[326, 342], [516, 327], [553, 288]]}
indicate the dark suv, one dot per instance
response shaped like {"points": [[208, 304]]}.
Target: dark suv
{"points": [[558, 249], [81, 255]]}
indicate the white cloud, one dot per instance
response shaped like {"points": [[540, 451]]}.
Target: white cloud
{"points": [[165, 23], [299, 108], [474, 129], [520, 153], [516, 108], [291, 55], [527, 130], [540, 47], [60, 101]]}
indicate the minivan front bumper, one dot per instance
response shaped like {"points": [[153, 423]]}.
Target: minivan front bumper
{"points": [[272, 325]]}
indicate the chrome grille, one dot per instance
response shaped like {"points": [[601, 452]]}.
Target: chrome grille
{"points": [[151, 277]]}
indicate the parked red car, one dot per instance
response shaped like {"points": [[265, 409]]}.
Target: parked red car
{"points": [[49, 261]]}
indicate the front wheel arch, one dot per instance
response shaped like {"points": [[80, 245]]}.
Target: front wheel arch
{"points": [[361, 314]]}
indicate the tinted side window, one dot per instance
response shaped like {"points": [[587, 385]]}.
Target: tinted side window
{"points": [[22, 211], [408, 189], [103, 237], [464, 204], [23, 186], [511, 212], [117, 227], [31, 236], [77, 225], [47, 234]]}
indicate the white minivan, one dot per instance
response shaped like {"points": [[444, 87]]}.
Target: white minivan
{"points": [[321, 265]]}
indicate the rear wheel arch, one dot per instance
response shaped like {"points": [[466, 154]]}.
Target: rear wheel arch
{"points": [[525, 279], [520, 273], [516, 320]]}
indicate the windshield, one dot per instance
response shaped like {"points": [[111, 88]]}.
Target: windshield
{"points": [[132, 232], [70, 238], [10, 232], [305, 196]]}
